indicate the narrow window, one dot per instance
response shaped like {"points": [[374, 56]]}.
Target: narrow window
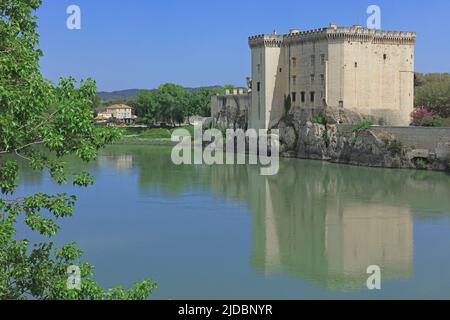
{"points": [[281, 70], [313, 96], [322, 59], [322, 80], [294, 80], [303, 96], [294, 96], [294, 63], [313, 60], [313, 78], [258, 86], [356, 64], [385, 56]]}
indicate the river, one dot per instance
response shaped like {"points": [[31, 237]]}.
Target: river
{"points": [[226, 232]]}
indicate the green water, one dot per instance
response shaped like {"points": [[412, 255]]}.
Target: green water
{"points": [[226, 232]]}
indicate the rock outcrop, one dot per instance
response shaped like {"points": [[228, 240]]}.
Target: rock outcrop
{"points": [[343, 144]]}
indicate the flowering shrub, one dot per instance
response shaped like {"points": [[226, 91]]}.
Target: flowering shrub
{"points": [[420, 114]]}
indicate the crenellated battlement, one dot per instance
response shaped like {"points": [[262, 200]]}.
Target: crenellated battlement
{"points": [[264, 40], [355, 33]]}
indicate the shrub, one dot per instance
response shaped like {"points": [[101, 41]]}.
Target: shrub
{"points": [[421, 164], [287, 104], [395, 147], [425, 118], [434, 121], [419, 114], [396, 162], [326, 138], [446, 122], [364, 125], [320, 119]]}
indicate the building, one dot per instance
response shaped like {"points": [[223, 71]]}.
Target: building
{"points": [[366, 71], [120, 112], [230, 110]]}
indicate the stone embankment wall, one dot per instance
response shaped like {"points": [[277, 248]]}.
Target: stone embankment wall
{"points": [[435, 140], [377, 146]]}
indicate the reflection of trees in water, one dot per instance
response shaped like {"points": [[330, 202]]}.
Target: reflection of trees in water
{"points": [[313, 220]]}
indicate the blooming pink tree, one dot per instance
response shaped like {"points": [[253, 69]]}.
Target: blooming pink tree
{"points": [[419, 114]]}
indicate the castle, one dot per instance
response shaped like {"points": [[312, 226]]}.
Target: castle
{"points": [[369, 72]]}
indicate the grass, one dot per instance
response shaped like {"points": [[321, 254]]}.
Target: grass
{"points": [[364, 125], [154, 136]]}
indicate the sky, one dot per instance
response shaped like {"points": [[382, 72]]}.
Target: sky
{"points": [[144, 43]]}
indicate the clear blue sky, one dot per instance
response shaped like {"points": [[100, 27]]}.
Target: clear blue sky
{"points": [[143, 43]]}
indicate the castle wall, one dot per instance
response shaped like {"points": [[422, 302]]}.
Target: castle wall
{"points": [[307, 72], [379, 80], [366, 71], [231, 110]]}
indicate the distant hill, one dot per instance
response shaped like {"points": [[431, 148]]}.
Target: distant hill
{"points": [[131, 93], [122, 94]]}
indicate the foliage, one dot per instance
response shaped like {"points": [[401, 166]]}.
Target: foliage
{"points": [[287, 104], [320, 119], [434, 121], [41, 123], [171, 103], [426, 118], [396, 162], [326, 138], [433, 92], [156, 134], [395, 147], [364, 125], [419, 114], [421, 164]]}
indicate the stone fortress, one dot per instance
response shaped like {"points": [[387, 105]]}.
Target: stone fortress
{"points": [[367, 71], [345, 76]]}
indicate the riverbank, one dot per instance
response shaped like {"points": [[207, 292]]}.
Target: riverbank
{"points": [[150, 136], [367, 145]]}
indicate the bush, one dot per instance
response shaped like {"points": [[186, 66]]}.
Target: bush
{"points": [[396, 162], [422, 117], [395, 147], [434, 121], [419, 114], [364, 125], [320, 119], [421, 164]]}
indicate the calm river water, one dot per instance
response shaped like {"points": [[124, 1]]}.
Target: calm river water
{"points": [[225, 232]]}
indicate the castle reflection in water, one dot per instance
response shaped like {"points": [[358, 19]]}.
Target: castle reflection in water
{"points": [[316, 221]]}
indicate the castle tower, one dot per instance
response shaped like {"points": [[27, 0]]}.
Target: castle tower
{"points": [[366, 71], [266, 50]]}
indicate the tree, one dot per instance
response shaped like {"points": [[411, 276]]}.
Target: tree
{"points": [[146, 106], [41, 123], [172, 100], [200, 101], [433, 93]]}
